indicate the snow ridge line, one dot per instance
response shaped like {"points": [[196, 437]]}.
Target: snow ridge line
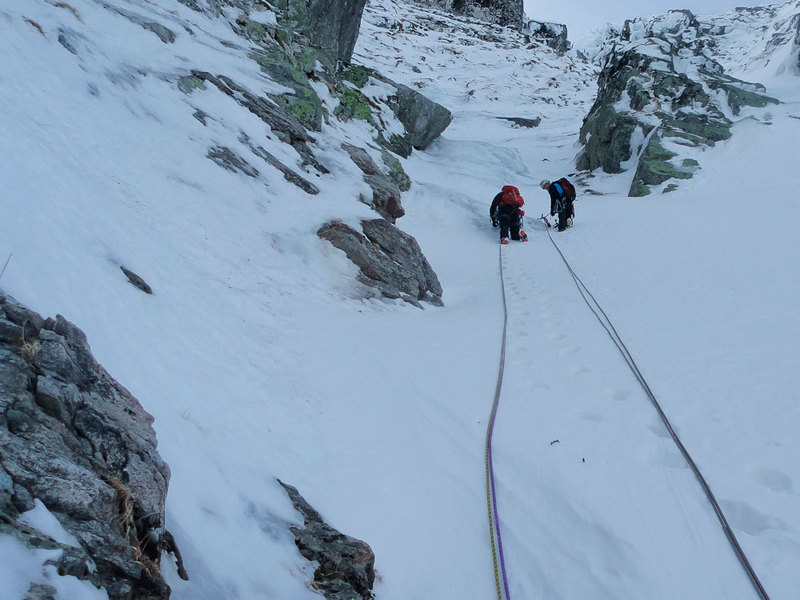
{"points": [[604, 320], [491, 496]]}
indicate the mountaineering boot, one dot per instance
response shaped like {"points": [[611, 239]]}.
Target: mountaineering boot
{"points": [[523, 237], [504, 240]]}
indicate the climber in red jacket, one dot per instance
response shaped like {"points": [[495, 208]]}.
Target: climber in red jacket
{"points": [[506, 211]]}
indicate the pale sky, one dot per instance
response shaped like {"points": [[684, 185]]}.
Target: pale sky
{"points": [[581, 16]]}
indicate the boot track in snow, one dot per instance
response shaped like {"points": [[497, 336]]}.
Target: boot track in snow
{"points": [[499, 563]]}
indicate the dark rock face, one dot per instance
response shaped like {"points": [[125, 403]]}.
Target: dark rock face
{"points": [[553, 35], [329, 25], [389, 259], [648, 108], [796, 19], [508, 13], [74, 438], [333, 24], [346, 565]]}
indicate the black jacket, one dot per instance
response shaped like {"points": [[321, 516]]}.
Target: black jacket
{"points": [[495, 204]]}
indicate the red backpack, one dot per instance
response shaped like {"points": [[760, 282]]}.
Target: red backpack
{"points": [[569, 189], [512, 196]]}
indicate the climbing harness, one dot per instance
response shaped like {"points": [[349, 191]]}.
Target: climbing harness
{"points": [[602, 317], [498, 559]]}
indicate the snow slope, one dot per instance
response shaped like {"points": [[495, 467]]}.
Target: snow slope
{"points": [[259, 361]]}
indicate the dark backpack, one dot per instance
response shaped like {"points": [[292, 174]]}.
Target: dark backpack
{"points": [[567, 188]]}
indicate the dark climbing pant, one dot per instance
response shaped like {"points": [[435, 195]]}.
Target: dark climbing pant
{"points": [[567, 212], [508, 216]]}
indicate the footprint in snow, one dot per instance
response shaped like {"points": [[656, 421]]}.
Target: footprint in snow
{"points": [[771, 479], [591, 416], [621, 395], [744, 517]]}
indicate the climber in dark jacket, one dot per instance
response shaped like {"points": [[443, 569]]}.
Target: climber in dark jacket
{"points": [[559, 203], [506, 210]]}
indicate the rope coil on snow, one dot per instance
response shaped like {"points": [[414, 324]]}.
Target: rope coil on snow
{"points": [[498, 558], [595, 307]]}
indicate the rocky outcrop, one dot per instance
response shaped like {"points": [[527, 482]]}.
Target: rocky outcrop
{"points": [[389, 260], [75, 439], [346, 568], [553, 35], [659, 94], [508, 13], [305, 47], [331, 25], [422, 120]]}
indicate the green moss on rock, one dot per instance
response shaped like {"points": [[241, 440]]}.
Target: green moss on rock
{"points": [[606, 136], [396, 172], [190, 83], [356, 74], [737, 97], [638, 189], [289, 71], [397, 144], [258, 32], [353, 105], [654, 168], [709, 129]]}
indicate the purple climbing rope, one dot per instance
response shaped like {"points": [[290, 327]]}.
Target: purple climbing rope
{"points": [[501, 578]]}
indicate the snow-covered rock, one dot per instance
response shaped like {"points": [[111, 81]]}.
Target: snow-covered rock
{"points": [[662, 97]]}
